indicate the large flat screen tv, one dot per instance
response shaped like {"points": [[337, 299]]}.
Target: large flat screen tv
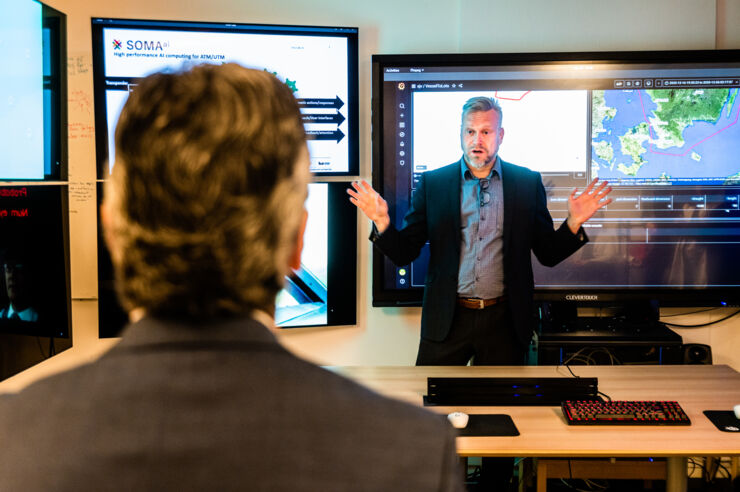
{"points": [[33, 74], [322, 292], [34, 261], [661, 127], [319, 64]]}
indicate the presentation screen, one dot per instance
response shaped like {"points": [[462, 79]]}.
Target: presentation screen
{"points": [[34, 284], [33, 125], [661, 127], [319, 64], [322, 292]]}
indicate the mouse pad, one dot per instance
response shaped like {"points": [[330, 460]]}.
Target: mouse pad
{"points": [[489, 425], [724, 420]]}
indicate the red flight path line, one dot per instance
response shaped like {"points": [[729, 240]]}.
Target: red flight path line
{"points": [[650, 149], [511, 98]]}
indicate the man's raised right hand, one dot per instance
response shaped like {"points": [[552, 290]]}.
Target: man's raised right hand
{"points": [[371, 203]]}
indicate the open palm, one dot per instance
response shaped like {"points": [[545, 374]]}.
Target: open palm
{"points": [[371, 203], [584, 206]]}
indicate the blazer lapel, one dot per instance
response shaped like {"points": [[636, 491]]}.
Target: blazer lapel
{"points": [[443, 206], [443, 188], [454, 182], [509, 186]]}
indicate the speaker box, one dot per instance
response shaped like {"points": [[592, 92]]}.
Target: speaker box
{"points": [[609, 354], [697, 353]]}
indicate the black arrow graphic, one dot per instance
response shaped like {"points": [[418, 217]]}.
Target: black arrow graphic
{"points": [[320, 103], [324, 135], [337, 118]]}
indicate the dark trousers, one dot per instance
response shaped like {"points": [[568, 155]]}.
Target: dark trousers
{"points": [[487, 336]]}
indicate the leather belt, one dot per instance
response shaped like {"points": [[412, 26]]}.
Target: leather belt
{"points": [[475, 303]]}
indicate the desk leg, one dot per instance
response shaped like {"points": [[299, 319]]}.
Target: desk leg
{"points": [[676, 480], [541, 475]]}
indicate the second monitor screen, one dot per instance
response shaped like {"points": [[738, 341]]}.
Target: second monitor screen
{"points": [[319, 64], [322, 292]]}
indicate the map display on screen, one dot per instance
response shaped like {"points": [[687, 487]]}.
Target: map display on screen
{"points": [[677, 136]]}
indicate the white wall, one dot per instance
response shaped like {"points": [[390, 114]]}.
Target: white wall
{"points": [[390, 335]]}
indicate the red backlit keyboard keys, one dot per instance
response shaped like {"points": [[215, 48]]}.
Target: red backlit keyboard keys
{"points": [[623, 412]]}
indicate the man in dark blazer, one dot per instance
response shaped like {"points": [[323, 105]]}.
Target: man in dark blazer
{"points": [[482, 218], [479, 284], [203, 217]]}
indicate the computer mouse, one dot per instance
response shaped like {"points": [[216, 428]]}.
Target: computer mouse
{"points": [[737, 411], [458, 419]]}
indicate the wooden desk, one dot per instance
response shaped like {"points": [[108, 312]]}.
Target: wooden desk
{"points": [[545, 434]]}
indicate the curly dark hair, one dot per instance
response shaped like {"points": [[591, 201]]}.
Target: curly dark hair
{"points": [[206, 193]]}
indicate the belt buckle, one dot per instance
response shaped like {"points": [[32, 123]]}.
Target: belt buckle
{"points": [[481, 303]]}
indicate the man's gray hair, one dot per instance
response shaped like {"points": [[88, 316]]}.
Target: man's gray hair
{"points": [[482, 103], [206, 193]]}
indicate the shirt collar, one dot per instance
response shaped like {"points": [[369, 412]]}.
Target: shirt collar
{"points": [[467, 175]]}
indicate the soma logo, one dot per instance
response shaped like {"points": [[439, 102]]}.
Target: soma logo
{"points": [[116, 44], [139, 45]]}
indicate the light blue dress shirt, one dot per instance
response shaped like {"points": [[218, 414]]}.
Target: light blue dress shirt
{"points": [[481, 272]]}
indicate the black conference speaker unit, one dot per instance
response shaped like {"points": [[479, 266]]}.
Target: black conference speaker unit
{"points": [[598, 353], [593, 342], [697, 353]]}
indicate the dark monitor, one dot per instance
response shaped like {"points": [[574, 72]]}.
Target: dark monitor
{"points": [[661, 127], [321, 293], [319, 64], [33, 119], [34, 285], [111, 316]]}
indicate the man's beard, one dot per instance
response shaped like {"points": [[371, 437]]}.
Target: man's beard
{"points": [[481, 164]]}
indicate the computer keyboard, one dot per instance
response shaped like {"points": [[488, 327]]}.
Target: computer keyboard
{"points": [[622, 412]]}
